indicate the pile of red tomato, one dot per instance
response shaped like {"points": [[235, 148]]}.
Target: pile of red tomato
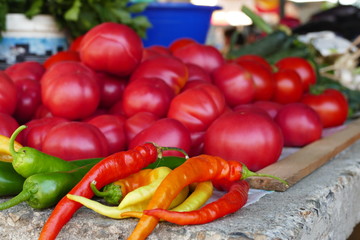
{"points": [[108, 93]]}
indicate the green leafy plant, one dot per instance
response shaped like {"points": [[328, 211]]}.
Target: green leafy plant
{"points": [[79, 16]]}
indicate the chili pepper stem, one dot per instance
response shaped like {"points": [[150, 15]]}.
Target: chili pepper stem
{"points": [[162, 149], [247, 173], [106, 193], [21, 197], [12, 139]]}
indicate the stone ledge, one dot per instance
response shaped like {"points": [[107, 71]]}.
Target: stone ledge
{"points": [[324, 205]]}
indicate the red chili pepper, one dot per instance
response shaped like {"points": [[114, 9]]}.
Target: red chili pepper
{"points": [[196, 169], [230, 202], [110, 169]]}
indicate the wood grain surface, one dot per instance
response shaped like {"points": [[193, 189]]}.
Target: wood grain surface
{"points": [[307, 159]]}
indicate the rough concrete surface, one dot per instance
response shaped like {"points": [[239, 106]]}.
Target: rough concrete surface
{"points": [[324, 205]]}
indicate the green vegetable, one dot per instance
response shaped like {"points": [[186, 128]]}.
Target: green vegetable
{"points": [[264, 47], [44, 190], [79, 16], [11, 182], [28, 161]]}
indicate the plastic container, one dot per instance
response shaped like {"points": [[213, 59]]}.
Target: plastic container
{"points": [[171, 20], [30, 39]]}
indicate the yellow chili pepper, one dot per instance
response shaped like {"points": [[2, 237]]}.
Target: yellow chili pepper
{"points": [[135, 200], [5, 155], [200, 195]]}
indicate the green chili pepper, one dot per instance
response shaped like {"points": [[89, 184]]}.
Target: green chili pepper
{"points": [[28, 161], [114, 192], [11, 182], [136, 200], [44, 190]]}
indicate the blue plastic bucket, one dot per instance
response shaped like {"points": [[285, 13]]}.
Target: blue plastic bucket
{"points": [[171, 21]]}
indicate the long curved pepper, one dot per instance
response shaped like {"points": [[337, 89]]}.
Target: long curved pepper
{"points": [[110, 169], [196, 169], [230, 202]]}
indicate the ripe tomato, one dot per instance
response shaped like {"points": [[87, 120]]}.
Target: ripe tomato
{"points": [[166, 132], [299, 124], [8, 125], [111, 89], [28, 69], [113, 128], [248, 137], [262, 77], [75, 140], [111, 47], [155, 51], [138, 122], [256, 58], [197, 73], [8, 94], [171, 70], [272, 108], [207, 57], [197, 107], [147, 95], [288, 86], [29, 99], [302, 67], [67, 55], [235, 82], [331, 105], [70, 90], [179, 43], [34, 134], [76, 43]]}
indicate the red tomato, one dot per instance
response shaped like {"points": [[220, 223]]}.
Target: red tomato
{"points": [[70, 90], [113, 128], [251, 108], [29, 99], [28, 69], [8, 94], [37, 129], [331, 105], [111, 47], [198, 107], [60, 57], [76, 43], [235, 82], [299, 124], [179, 43], [288, 86], [302, 67], [197, 143], [193, 84], [171, 70], [272, 108], [248, 137], [207, 57], [75, 140], [256, 58], [8, 125], [42, 111], [262, 77], [155, 51], [166, 132], [117, 109], [147, 95], [197, 73], [111, 89], [137, 123]]}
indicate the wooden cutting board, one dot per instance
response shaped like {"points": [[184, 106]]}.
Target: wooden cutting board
{"points": [[307, 159]]}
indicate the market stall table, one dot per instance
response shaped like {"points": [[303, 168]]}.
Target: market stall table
{"points": [[321, 205]]}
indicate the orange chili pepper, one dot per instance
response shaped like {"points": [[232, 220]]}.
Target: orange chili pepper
{"points": [[196, 169]]}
